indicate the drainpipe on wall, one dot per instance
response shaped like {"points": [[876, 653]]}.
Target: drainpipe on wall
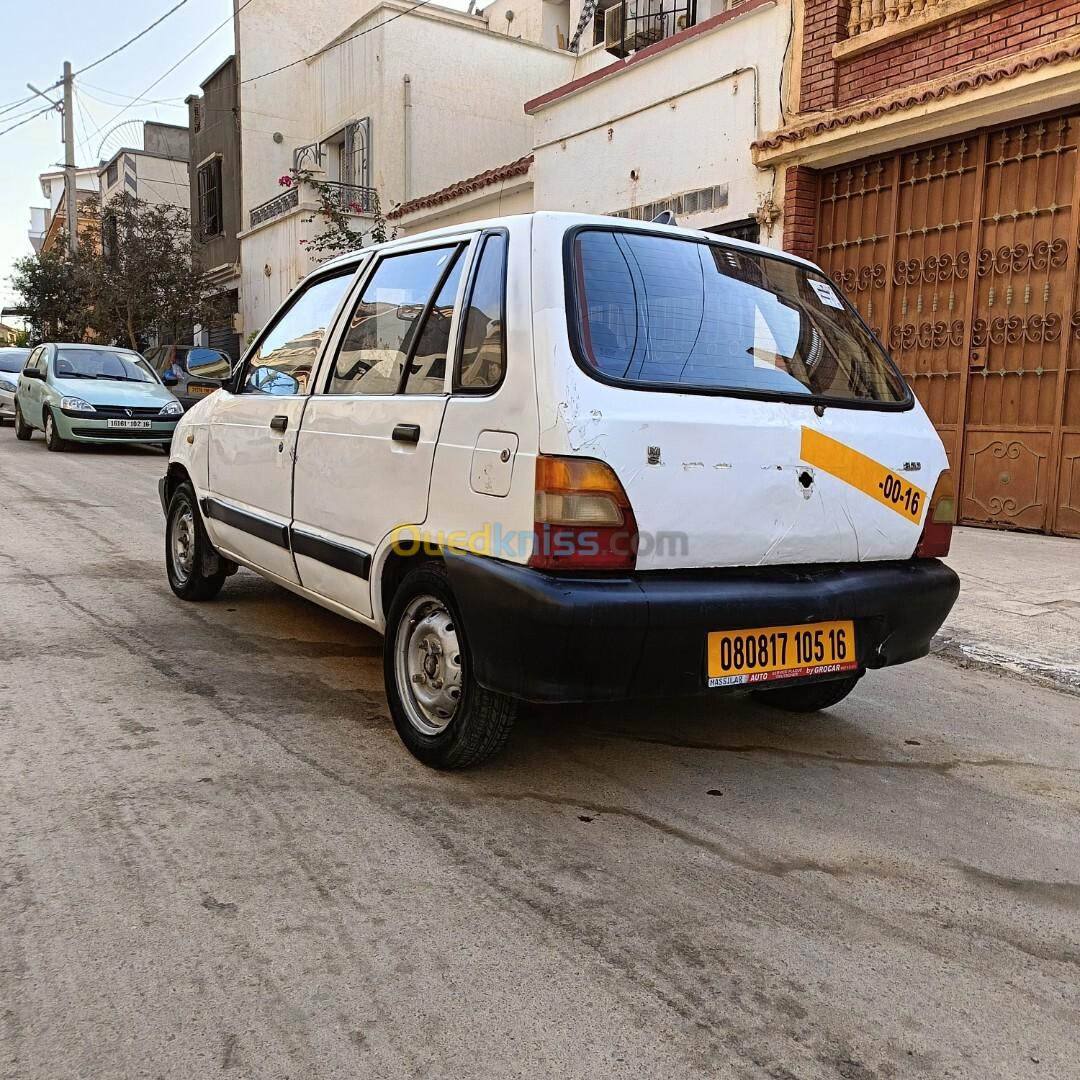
{"points": [[406, 137]]}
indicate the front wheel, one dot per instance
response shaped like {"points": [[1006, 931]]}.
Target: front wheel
{"points": [[23, 430], [52, 435], [443, 716], [188, 551], [810, 697]]}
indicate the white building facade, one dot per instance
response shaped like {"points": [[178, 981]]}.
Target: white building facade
{"points": [[400, 103], [659, 111], [156, 173]]}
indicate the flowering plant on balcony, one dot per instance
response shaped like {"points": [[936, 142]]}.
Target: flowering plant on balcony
{"points": [[339, 206]]}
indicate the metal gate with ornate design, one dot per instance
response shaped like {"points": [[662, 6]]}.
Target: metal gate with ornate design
{"points": [[963, 257]]}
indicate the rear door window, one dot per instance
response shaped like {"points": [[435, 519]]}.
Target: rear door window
{"points": [[399, 331], [662, 312]]}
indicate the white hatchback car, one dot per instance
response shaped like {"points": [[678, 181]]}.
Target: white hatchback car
{"points": [[563, 458]]}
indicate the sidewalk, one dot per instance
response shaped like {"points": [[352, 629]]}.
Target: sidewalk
{"points": [[1019, 605]]}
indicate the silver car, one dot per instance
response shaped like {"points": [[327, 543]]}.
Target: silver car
{"points": [[12, 361]]}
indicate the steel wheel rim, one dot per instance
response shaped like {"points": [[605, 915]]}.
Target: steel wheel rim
{"points": [[49, 424], [427, 665], [182, 543]]}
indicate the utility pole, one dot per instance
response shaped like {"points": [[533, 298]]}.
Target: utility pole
{"points": [[69, 163]]}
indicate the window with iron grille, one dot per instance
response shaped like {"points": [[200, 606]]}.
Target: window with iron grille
{"points": [[210, 216]]}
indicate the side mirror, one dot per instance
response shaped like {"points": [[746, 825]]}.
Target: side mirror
{"points": [[169, 380], [34, 373], [208, 364]]}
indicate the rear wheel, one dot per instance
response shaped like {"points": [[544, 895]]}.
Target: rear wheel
{"points": [[443, 716], [52, 434], [810, 697], [194, 567], [23, 430]]}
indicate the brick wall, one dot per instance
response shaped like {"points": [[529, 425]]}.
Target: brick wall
{"points": [[800, 210], [949, 47]]}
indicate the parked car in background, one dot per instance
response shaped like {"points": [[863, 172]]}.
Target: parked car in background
{"points": [[93, 394], [561, 458], [12, 361], [174, 363]]}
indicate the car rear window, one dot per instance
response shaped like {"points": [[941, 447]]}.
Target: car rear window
{"points": [[666, 313]]}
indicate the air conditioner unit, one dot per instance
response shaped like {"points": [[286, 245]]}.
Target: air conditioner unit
{"points": [[613, 30]]}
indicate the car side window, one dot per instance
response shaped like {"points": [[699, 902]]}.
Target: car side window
{"points": [[483, 340], [402, 318], [41, 363], [32, 359], [283, 362]]}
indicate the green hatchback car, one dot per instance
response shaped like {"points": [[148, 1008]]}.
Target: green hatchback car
{"points": [[93, 394]]}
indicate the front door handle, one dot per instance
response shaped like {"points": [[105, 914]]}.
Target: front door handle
{"points": [[279, 424], [407, 433]]}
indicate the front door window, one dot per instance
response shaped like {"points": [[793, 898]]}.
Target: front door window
{"points": [[283, 362]]}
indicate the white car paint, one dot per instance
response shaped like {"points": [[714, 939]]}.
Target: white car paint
{"points": [[728, 474]]}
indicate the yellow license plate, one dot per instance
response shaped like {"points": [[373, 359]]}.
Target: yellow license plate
{"points": [[194, 391], [780, 652]]}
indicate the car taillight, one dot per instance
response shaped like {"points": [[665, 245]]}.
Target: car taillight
{"points": [[583, 519], [940, 516]]}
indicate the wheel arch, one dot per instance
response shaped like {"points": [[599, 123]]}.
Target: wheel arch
{"points": [[390, 570], [175, 475]]}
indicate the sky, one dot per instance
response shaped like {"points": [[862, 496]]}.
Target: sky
{"points": [[39, 37]]}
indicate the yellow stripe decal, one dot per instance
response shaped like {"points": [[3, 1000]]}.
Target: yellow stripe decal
{"points": [[863, 473]]}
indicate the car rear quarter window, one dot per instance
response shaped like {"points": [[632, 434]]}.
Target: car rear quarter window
{"points": [[662, 312], [483, 345]]}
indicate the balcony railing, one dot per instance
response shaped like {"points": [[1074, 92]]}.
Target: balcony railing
{"points": [[349, 198], [275, 207], [868, 15], [352, 198], [637, 24]]}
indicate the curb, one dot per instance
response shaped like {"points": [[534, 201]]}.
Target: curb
{"points": [[979, 655]]}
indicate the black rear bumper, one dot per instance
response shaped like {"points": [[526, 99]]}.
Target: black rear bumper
{"points": [[542, 637]]}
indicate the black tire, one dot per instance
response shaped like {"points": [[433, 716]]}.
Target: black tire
{"points": [[479, 721], [195, 569], [52, 434], [810, 697], [23, 430]]}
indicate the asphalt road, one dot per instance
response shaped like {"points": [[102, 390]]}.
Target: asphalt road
{"points": [[217, 859]]}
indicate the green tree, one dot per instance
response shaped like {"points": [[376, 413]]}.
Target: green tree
{"points": [[49, 297], [143, 274], [134, 272]]}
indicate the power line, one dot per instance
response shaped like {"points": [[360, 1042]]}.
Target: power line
{"points": [[15, 104], [42, 112], [141, 33], [193, 49], [334, 45]]}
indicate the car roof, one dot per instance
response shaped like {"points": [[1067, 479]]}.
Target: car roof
{"points": [[566, 221], [94, 348]]}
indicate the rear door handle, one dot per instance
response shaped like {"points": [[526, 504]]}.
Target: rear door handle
{"points": [[407, 433], [279, 423]]}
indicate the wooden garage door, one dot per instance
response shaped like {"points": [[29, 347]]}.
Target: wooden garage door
{"points": [[963, 258]]}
